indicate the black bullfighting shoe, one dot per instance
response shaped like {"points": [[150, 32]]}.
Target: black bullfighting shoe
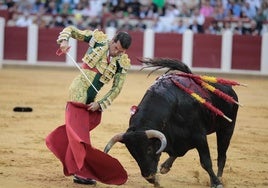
{"points": [[85, 181]]}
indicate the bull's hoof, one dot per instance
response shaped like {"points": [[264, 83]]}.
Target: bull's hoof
{"points": [[157, 184], [164, 170], [217, 186], [153, 179]]}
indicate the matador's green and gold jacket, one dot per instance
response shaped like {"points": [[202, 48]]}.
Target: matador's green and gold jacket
{"points": [[96, 57]]}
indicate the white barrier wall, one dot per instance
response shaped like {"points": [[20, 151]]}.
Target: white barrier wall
{"points": [[148, 49], [2, 36], [187, 47], [226, 51], [148, 45], [32, 44], [264, 54]]}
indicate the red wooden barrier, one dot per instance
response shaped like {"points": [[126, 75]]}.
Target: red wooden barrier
{"points": [[47, 45], [81, 50], [206, 48], [5, 14], [136, 49], [168, 45], [15, 45], [207, 51], [246, 52]]}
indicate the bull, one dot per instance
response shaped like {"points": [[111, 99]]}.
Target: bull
{"points": [[170, 120]]}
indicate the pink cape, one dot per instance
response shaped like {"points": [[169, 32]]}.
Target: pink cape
{"points": [[70, 143]]}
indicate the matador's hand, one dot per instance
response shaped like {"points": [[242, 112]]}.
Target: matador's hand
{"points": [[64, 46], [93, 106]]}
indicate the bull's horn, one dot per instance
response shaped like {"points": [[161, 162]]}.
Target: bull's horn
{"points": [[160, 136], [113, 140]]}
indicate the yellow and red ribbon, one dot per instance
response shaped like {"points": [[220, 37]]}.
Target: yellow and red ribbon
{"points": [[201, 100], [211, 79]]}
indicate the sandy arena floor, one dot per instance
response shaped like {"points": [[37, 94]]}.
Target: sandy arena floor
{"points": [[25, 161]]}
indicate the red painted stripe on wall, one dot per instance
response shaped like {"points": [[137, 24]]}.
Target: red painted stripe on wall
{"points": [[47, 45], [82, 48], [15, 45], [207, 51], [246, 52], [168, 45], [136, 49]]}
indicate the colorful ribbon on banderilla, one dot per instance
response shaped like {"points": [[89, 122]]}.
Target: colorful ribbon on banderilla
{"points": [[203, 82]]}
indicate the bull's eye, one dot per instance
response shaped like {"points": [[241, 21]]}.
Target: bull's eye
{"points": [[150, 150]]}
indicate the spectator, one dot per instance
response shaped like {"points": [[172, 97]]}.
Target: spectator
{"points": [[197, 17], [214, 28], [159, 3], [80, 22], [140, 26], [71, 3], [24, 20], [184, 10], [153, 9], [189, 4], [213, 3], [51, 7], [60, 21], [265, 9], [158, 25], [206, 10], [126, 25], [38, 7], [171, 11], [11, 5], [135, 6], [196, 27], [65, 9], [235, 7], [145, 2], [252, 29], [144, 10], [130, 13], [254, 3], [239, 28], [218, 13], [180, 27], [244, 17], [120, 9], [13, 20], [259, 18], [79, 9], [84, 9], [3, 6], [112, 21], [230, 16], [249, 11], [227, 26], [96, 8], [24, 6], [165, 22], [94, 23], [39, 21]]}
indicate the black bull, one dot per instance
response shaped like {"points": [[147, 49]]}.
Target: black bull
{"points": [[170, 120]]}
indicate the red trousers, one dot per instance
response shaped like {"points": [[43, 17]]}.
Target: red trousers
{"points": [[70, 143]]}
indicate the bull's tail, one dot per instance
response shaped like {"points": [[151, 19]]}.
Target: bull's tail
{"points": [[170, 64]]}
